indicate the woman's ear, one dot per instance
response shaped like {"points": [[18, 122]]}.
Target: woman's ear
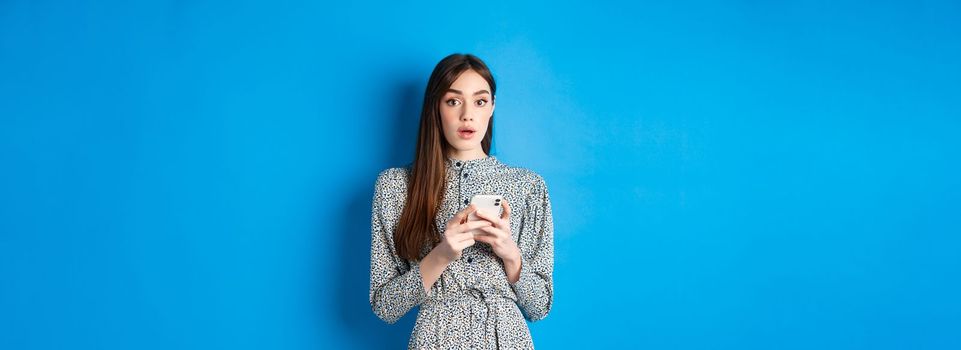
{"points": [[493, 104]]}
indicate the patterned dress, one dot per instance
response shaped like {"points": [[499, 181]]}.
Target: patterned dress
{"points": [[472, 305]]}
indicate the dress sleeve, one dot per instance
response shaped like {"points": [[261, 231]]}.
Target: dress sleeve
{"points": [[535, 288], [395, 284]]}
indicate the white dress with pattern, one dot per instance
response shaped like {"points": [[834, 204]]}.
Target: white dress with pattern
{"points": [[472, 305]]}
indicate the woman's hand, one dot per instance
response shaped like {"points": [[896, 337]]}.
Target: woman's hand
{"points": [[458, 235], [498, 234]]}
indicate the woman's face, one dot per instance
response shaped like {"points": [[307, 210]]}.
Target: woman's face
{"points": [[465, 111]]}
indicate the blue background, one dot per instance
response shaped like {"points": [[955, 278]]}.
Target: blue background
{"points": [[724, 175]]}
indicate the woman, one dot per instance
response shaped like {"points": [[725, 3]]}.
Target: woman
{"points": [[471, 278]]}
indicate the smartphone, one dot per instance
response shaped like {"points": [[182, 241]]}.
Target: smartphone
{"points": [[488, 203]]}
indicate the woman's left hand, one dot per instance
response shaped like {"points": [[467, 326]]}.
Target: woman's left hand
{"points": [[499, 235]]}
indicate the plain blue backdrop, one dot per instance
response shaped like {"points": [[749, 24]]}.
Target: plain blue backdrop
{"points": [[724, 174]]}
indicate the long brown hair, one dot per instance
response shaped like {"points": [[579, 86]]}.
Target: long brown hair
{"points": [[417, 228]]}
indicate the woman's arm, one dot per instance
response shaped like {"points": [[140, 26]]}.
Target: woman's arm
{"points": [[457, 236], [395, 287], [535, 286], [512, 266], [431, 267], [502, 242]]}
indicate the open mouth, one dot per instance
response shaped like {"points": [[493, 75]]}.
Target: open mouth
{"points": [[465, 132]]}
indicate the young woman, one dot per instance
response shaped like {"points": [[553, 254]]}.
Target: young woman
{"points": [[475, 280]]}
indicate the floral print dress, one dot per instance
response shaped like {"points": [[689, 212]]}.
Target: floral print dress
{"points": [[472, 305]]}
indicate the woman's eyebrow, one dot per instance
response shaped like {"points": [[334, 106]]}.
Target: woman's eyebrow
{"points": [[475, 93]]}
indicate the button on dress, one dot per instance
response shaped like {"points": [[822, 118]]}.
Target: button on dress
{"points": [[472, 305]]}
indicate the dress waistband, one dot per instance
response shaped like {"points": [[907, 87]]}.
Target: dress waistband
{"points": [[468, 295], [480, 310]]}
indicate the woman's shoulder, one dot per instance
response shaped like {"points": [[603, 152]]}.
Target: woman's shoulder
{"points": [[394, 174], [393, 179], [525, 176]]}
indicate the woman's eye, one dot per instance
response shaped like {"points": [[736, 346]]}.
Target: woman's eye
{"points": [[453, 102], [481, 103]]}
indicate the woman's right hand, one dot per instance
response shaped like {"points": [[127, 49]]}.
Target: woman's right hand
{"points": [[459, 234]]}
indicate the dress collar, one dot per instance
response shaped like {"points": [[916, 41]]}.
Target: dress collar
{"points": [[485, 162]]}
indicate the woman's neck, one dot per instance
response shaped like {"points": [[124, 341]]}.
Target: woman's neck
{"points": [[467, 155]]}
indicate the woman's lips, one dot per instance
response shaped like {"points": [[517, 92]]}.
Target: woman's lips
{"points": [[465, 134]]}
